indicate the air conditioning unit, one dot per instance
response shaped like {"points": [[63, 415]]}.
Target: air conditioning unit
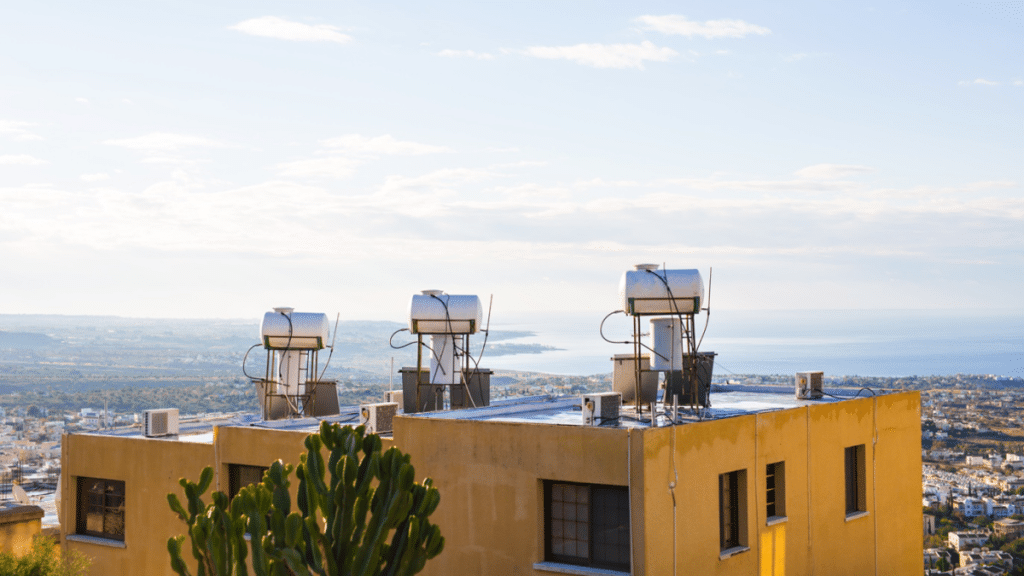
{"points": [[379, 418], [394, 397], [163, 422], [808, 385], [601, 407]]}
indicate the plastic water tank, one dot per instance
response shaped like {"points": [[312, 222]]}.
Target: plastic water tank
{"points": [[647, 291], [435, 312], [283, 329]]}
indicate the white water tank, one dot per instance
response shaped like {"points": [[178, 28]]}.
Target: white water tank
{"points": [[668, 343], [435, 312], [284, 329], [648, 291]]}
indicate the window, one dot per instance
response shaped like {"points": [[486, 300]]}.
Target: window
{"points": [[587, 525], [100, 508], [775, 490], [856, 499], [240, 476], [732, 509]]}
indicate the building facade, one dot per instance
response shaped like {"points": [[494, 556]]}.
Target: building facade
{"points": [[762, 483]]}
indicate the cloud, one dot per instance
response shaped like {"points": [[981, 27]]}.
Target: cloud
{"points": [[830, 171], [164, 141], [465, 54], [274, 27], [20, 160], [605, 55], [386, 144], [678, 24], [81, 100], [95, 177], [330, 167], [980, 81], [17, 130]]}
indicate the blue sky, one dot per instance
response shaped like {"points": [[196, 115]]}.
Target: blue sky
{"points": [[181, 159]]}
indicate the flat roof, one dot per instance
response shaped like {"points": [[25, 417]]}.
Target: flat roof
{"points": [[726, 401]]}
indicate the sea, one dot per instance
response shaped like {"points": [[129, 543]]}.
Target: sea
{"points": [[883, 343]]}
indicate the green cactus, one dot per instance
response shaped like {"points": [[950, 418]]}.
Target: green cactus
{"points": [[360, 514]]}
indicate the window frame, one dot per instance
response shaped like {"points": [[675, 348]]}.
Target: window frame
{"points": [[732, 511], [109, 501], [617, 492], [775, 490], [855, 479], [235, 472]]}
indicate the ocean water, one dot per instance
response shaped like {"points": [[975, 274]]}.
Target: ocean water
{"points": [[885, 343]]}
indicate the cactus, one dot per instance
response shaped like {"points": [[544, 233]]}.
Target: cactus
{"points": [[360, 514]]}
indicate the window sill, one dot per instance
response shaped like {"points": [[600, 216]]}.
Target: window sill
{"points": [[776, 520], [578, 570], [855, 515], [730, 552], [95, 540]]}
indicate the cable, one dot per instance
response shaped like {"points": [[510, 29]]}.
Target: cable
{"points": [[707, 319], [601, 329], [328, 363], [246, 357], [392, 343]]}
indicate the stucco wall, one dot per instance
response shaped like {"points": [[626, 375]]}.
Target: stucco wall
{"points": [[490, 477], [18, 526]]}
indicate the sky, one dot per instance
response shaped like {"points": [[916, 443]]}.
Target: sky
{"points": [[217, 159]]}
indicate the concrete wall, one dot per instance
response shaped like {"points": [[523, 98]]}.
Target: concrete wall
{"points": [[490, 477], [150, 469], [815, 537], [19, 524]]}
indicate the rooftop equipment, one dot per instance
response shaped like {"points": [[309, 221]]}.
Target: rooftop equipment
{"points": [[163, 422], [675, 297], [378, 418], [448, 320], [600, 407], [292, 377], [809, 385]]}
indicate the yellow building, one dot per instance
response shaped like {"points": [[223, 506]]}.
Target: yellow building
{"points": [[764, 483], [19, 525]]}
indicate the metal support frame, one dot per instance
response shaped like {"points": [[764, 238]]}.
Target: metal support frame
{"points": [[463, 372], [296, 402], [687, 326]]}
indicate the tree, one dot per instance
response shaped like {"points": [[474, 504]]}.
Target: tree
{"points": [[942, 565], [367, 518]]}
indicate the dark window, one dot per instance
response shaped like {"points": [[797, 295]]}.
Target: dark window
{"points": [[732, 509], [240, 476], [775, 489], [856, 499], [100, 508], [587, 524]]}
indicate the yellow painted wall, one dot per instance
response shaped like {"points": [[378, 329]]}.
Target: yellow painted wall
{"points": [[841, 547], [17, 530], [782, 547], [702, 451], [490, 478], [150, 469], [816, 537], [898, 483]]}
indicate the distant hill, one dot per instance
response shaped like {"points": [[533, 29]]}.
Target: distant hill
{"points": [[26, 341]]}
